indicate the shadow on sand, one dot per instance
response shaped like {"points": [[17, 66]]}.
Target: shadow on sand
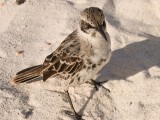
{"points": [[132, 59]]}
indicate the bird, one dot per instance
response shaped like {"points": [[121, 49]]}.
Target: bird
{"points": [[79, 57]]}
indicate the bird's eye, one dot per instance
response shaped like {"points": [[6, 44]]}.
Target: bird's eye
{"points": [[86, 25]]}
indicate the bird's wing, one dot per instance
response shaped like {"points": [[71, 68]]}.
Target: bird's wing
{"points": [[64, 60]]}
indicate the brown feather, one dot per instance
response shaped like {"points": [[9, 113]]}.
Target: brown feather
{"points": [[48, 74], [27, 74]]}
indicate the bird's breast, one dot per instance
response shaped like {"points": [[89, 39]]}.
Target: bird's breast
{"points": [[101, 48]]}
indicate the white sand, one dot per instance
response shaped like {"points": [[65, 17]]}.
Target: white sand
{"points": [[133, 73]]}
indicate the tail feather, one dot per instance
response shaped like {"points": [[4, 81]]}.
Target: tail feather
{"points": [[28, 69], [27, 74]]}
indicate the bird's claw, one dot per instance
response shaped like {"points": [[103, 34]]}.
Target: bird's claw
{"points": [[96, 84], [77, 116]]}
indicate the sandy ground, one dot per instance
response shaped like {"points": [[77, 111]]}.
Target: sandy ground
{"points": [[133, 73]]}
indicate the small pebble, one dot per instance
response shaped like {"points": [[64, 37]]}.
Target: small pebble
{"points": [[48, 43], [19, 52], [19, 2], [1, 4]]}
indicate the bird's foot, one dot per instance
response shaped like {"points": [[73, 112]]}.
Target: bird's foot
{"points": [[99, 84], [79, 117]]}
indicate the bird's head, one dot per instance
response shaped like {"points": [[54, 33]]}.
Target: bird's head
{"points": [[92, 20]]}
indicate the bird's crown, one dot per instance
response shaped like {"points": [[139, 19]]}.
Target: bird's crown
{"points": [[92, 16]]}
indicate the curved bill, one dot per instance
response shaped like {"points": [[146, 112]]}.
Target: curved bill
{"points": [[102, 32]]}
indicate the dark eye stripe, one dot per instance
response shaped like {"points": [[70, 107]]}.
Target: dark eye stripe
{"points": [[86, 25]]}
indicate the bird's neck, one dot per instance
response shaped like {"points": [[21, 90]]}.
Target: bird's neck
{"points": [[97, 40]]}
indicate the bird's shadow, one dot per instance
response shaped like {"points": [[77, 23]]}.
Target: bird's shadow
{"points": [[132, 59], [135, 57], [81, 111]]}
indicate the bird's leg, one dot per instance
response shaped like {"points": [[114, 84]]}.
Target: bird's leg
{"points": [[96, 84], [70, 102]]}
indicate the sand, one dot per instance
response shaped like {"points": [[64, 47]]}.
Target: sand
{"points": [[37, 27]]}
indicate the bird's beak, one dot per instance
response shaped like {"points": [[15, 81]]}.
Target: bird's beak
{"points": [[102, 32]]}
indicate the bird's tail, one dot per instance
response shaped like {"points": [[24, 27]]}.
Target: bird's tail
{"points": [[27, 75]]}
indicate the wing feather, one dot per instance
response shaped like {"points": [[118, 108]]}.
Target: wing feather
{"points": [[64, 60]]}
